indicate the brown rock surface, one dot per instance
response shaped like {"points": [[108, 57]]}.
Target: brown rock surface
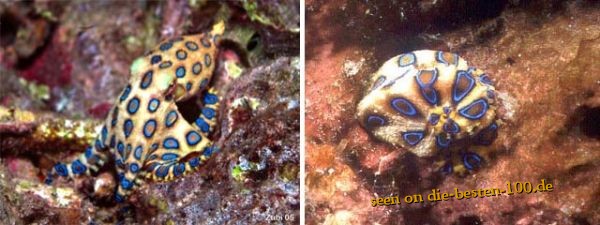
{"points": [[542, 57]]}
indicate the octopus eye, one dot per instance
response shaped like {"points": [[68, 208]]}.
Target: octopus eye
{"points": [[253, 42]]}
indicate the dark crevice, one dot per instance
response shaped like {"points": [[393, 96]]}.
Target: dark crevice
{"points": [[587, 120], [468, 220]]}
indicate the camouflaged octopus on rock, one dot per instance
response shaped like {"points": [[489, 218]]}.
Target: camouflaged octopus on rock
{"points": [[434, 105], [144, 132]]}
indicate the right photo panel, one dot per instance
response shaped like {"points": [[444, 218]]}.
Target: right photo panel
{"points": [[452, 112]]}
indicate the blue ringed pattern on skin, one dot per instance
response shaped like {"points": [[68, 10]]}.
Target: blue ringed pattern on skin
{"points": [[404, 107], [208, 112], [171, 143], [133, 105], [77, 167], [458, 94], [210, 99], [125, 93], [203, 125], [127, 127], [171, 118], [169, 156], [146, 80], [153, 105], [413, 137], [180, 72], [480, 103], [471, 156], [155, 59], [193, 138], [137, 153]]}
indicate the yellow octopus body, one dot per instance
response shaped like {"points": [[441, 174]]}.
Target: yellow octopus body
{"points": [[432, 104], [144, 132]]}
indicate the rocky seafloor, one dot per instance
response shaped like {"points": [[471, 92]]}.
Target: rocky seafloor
{"points": [[543, 58], [63, 63]]}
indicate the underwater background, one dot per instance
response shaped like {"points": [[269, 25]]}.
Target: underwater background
{"points": [[542, 57]]}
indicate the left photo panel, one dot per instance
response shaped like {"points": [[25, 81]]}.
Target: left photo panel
{"points": [[150, 112]]}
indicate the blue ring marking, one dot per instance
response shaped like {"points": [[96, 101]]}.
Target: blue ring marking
{"points": [[166, 46], [153, 105], [149, 128], [210, 99], [442, 142], [194, 162], [170, 143], [467, 157], [118, 198], [412, 138], [162, 171], [203, 84], [410, 111], [458, 95], [112, 141], [151, 157], [125, 93], [134, 167], [434, 119], [169, 156], [491, 94], [146, 80], [127, 151], [191, 46], [446, 110], [375, 121], [151, 166], [207, 151], [127, 127], [477, 103], [61, 169], [133, 105], [77, 167], [180, 72], [188, 86], [154, 146], [440, 58], [126, 184], [121, 148], [99, 145], [205, 41], [492, 131], [137, 153], [431, 82], [114, 116], [197, 68], [179, 169], [451, 127], [171, 118], [485, 79], [48, 180], [155, 59], [193, 138], [412, 59], [207, 60], [119, 162], [165, 64], [208, 112], [103, 134], [447, 168], [203, 125], [181, 54], [430, 95], [88, 152]]}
